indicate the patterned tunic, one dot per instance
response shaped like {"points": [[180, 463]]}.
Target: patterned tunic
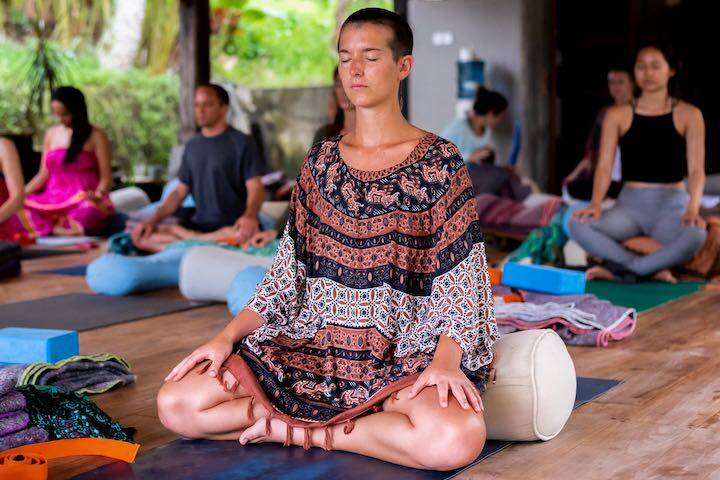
{"points": [[372, 268]]}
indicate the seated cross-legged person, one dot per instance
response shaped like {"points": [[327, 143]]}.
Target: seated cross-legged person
{"points": [[222, 169], [376, 315], [660, 139], [70, 193], [12, 191]]}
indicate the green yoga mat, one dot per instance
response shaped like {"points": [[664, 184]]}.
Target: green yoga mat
{"points": [[642, 296]]}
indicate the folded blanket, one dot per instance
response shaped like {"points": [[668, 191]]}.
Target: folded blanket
{"points": [[499, 212], [11, 402], [81, 374], [13, 422], [9, 376], [23, 437], [578, 319], [69, 415]]}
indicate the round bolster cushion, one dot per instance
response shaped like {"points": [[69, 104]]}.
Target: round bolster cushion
{"points": [[114, 274], [243, 287], [207, 272], [534, 393]]}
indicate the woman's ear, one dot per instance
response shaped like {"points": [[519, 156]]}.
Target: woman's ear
{"points": [[406, 63]]}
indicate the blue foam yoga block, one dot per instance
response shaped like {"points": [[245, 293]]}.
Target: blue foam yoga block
{"points": [[539, 278], [27, 345]]}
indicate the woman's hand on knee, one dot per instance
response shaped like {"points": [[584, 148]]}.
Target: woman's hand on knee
{"points": [[448, 379], [587, 214], [216, 350]]}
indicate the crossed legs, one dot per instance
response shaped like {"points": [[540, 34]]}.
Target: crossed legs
{"points": [[416, 433]]}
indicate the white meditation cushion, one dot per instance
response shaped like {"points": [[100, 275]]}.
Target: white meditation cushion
{"points": [[535, 389], [274, 209], [207, 272], [128, 199]]}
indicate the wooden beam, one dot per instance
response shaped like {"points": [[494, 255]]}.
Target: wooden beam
{"points": [[194, 48]]}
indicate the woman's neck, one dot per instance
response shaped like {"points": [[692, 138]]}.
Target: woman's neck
{"points": [[656, 100], [380, 125], [619, 102], [478, 124]]}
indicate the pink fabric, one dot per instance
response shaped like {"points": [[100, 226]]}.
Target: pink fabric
{"points": [[64, 199], [13, 226], [603, 337]]}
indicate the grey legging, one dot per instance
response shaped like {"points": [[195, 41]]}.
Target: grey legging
{"points": [[654, 212]]}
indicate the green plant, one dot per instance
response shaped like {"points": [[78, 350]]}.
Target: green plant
{"points": [[138, 110], [43, 73]]}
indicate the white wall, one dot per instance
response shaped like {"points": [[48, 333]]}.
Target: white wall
{"points": [[493, 29]]}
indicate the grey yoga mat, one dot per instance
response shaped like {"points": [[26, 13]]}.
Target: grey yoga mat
{"points": [[81, 311]]}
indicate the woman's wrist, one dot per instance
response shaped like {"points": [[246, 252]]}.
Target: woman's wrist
{"points": [[447, 352], [226, 336]]}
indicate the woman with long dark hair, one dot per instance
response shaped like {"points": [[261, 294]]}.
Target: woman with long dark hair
{"points": [[372, 331], [69, 195], [343, 113], [661, 140]]}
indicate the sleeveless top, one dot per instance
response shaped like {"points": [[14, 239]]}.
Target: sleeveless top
{"points": [[652, 150]]}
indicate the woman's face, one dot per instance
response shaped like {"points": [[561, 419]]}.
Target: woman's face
{"points": [[652, 71], [62, 115], [620, 86], [368, 72], [494, 119]]}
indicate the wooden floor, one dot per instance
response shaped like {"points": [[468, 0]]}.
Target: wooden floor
{"points": [[663, 422]]}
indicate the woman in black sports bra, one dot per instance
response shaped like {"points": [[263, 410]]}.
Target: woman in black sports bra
{"points": [[661, 141]]}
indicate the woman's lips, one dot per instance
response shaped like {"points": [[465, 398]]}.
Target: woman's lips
{"points": [[359, 86]]}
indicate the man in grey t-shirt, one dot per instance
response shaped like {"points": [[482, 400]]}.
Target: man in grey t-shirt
{"points": [[222, 169]]}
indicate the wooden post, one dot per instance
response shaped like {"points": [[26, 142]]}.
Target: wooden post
{"points": [[194, 48]]}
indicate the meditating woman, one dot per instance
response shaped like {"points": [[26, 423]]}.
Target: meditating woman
{"points": [[661, 138], [376, 315], [579, 182], [69, 195], [11, 191], [472, 134], [343, 117]]}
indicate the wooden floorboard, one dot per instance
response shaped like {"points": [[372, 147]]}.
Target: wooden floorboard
{"points": [[663, 422]]}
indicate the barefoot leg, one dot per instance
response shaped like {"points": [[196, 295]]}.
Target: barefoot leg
{"points": [[225, 232], [198, 406], [665, 276], [598, 273], [156, 242], [424, 435]]}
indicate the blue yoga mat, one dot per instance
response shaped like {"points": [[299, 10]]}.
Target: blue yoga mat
{"points": [[213, 460], [76, 271]]}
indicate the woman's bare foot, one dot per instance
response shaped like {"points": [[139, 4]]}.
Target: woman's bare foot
{"points": [[665, 276], [599, 273], [74, 229], [257, 432]]}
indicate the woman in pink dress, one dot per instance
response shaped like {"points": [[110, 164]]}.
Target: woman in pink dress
{"points": [[12, 195], [69, 195]]}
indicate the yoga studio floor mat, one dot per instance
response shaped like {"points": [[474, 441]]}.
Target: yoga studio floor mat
{"points": [[642, 296], [80, 311], [34, 253], [76, 271], [212, 460]]}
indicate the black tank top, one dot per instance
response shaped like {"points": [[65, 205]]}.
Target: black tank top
{"points": [[652, 150]]}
